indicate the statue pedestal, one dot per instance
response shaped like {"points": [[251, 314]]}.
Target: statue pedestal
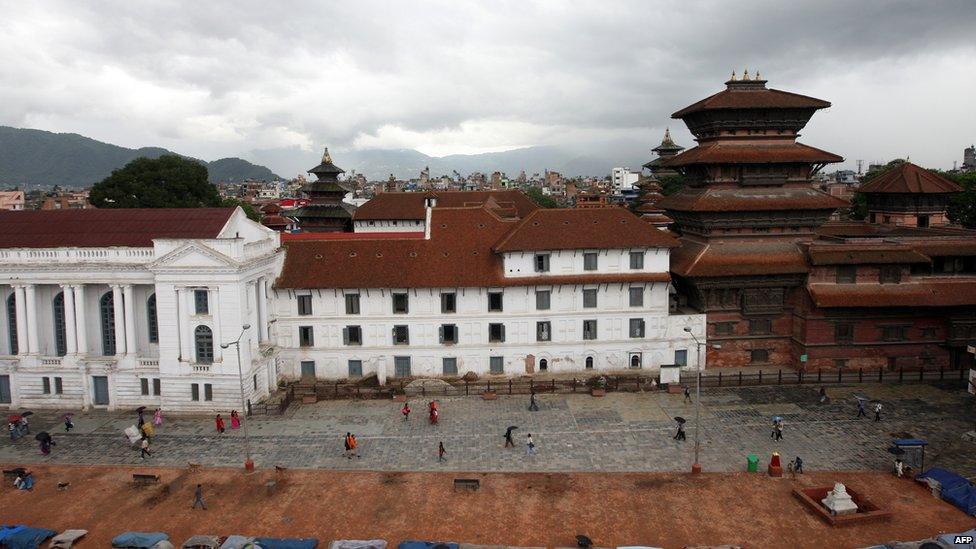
{"points": [[839, 502]]}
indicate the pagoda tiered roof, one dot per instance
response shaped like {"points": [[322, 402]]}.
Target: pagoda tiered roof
{"points": [[909, 178]]}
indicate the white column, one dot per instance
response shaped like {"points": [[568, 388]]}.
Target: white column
{"points": [[130, 319], [214, 299], [250, 297], [81, 325], [183, 301], [32, 344], [262, 310], [119, 313], [21, 308], [69, 318]]}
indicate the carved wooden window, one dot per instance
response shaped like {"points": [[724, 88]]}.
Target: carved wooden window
{"points": [[890, 274], [760, 326], [759, 356], [724, 328], [846, 274], [893, 333], [844, 333]]}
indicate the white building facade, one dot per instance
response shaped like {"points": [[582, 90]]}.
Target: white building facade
{"points": [[556, 291], [622, 179], [121, 308]]}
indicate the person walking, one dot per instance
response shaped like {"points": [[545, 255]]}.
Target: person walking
{"points": [[860, 409], [219, 422], [198, 498], [441, 451], [235, 420], [687, 394], [142, 420], [353, 445], [529, 446], [798, 465], [68, 424], [533, 405], [877, 412], [348, 444], [147, 430], [778, 430], [46, 444], [158, 417], [508, 437], [144, 448], [405, 411], [680, 435], [823, 395]]}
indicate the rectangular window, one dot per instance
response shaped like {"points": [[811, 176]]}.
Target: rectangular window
{"points": [[449, 333], [201, 302], [760, 326], [846, 274], [401, 304], [542, 263], [449, 302], [543, 331], [157, 387], [589, 329], [681, 357], [207, 392], [637, 297], [637, 327], [759, 356], [352, 335], [450, 366], [542, 298], [840, 363], [355, 368], [401, 366], [305, 337], [304, 305], [589, 261], [589, 298], [724, 328], [893, 333], [46, 385], [308, 368], [352, 304], [496, 333], [401, 335], [195, 392], [636, 260], [152, 319], [497, 365], [495, 303], [144, 386], [890, 274], [844, 333]]}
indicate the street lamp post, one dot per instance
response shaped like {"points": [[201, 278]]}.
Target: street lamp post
{"points": [[248, 464], [696, 466]]}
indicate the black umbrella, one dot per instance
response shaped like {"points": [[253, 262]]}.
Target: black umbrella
{"points": [[27, 413], [680, 419], [512, 427], [584, 541], [141, 409], [42, 436]]}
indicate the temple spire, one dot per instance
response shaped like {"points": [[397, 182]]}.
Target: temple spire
{"points": [[326, 157]]}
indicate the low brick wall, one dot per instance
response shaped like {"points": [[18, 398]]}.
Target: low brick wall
{"points": [[866, 510]]}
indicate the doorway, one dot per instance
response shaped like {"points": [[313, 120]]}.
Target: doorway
{"points": [[4, 389], [308, 369], [100, 388], [543, 365], [636, 361]]}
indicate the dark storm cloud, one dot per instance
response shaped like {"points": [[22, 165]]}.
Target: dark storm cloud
{"points": [[218, 78]]}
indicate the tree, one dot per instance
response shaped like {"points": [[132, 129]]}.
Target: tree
{"points": [[169, 181], [962, 206], [249, 210], [540, 199], [671, 184]]}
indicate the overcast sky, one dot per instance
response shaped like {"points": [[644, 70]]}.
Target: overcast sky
{"points": [[247, 78]]}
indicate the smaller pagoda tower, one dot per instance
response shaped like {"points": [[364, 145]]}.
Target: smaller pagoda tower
{"points": [[326, 212], [665, 150], [647, 208]]}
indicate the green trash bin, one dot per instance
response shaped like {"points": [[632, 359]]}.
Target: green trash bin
{"points": [[753, 466]]}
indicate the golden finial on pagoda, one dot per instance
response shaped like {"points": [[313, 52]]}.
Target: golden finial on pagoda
{"points": [[733, 75], [757, 75], [326, 157], [745, 74]]}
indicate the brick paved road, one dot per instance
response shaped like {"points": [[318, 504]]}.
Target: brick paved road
{"points": [[621, 432]]}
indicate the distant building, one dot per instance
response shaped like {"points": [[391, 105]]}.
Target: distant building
{"points": [[326, 211], [909, 196], [591, 200], [848, 177], [66, 201], [622, 179], [969, 159], [496, 181], [11, 200]]}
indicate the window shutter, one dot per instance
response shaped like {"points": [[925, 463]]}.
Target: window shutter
{"points": [[144, 385], [441, 334], [503, 332], [156, 386], [345, 336]]}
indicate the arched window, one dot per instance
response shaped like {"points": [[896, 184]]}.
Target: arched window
{"points": [[60, 347], [12, 323], [635, 361], [543, 365], [106, 311], [151, 320], [589, 363], [203, 341]]}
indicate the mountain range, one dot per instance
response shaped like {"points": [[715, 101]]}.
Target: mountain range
{"points": [[44, 159], [38, 158]]}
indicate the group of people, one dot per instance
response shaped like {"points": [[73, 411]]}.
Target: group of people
{"points": [[861, 412], [433, 413], [235, 421], [351, 445], [147, 431], [24, 480], [18, 426]]}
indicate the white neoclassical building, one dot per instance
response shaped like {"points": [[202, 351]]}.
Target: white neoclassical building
{"points": [[122, 308], [486, 290]]}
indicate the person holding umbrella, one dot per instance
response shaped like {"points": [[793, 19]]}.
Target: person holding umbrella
{"points": [[405, 411], [680, 435], [877, 411], [68, 424], [508, 436], [24, 424], [860, 407], [46, 442]]}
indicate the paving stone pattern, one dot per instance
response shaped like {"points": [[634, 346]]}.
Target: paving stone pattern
{"points": [[619, 432]]}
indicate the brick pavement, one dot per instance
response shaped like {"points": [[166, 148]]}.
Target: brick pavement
{"points": [[620, 432]]}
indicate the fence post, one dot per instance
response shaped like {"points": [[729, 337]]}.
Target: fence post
{"points": [[337, 389], [818, 375], [760, 377], [488, 390], [921, 373], [510, 386], [465, 387], [779, 376], [574, 384], [638, 384], [941, 372], [901, 374], [880, 375], [423, 390], [720, 378], [799, 377], [554, 385], [531, 386], [740, 378], [860, 375]]}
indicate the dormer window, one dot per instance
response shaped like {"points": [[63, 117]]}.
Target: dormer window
{"points": [[589, 261], [542, 263]]}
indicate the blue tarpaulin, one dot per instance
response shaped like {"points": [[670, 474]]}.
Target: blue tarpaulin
{"points": [[955, 489], [138, 540], [426, 545], [22, 537], [286, 543]]}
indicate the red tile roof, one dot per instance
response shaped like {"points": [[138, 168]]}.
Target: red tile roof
{"points": [[927, 293], [710, 199], [862, 254], [312, 235], [411, 205], [96, 228], [909, 178], [737, 258], [762, 98], [458, 254], [743, 153], [583, 228]]}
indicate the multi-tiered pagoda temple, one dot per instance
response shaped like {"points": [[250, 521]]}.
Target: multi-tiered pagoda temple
{"points": [[326, 212]]}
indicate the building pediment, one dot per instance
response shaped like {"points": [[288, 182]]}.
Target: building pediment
{"points": [[193, 255]]}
